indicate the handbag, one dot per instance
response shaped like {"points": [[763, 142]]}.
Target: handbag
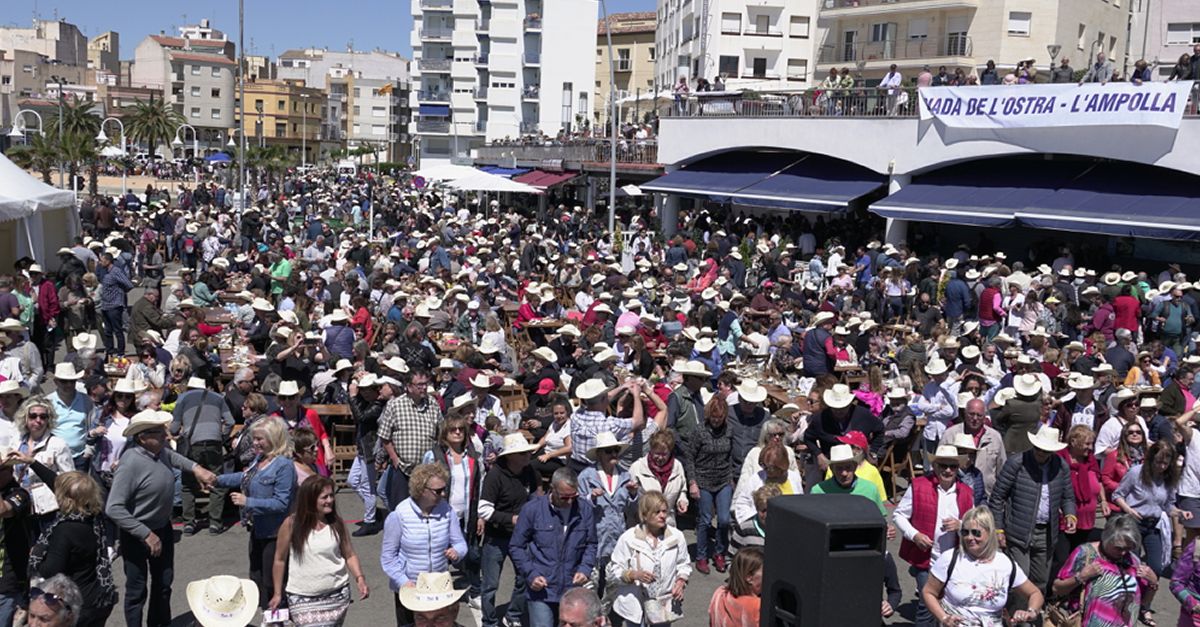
{"points": [[184, 446], [1057, 614]]}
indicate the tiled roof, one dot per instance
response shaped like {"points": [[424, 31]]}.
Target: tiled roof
{"points": [[623, 23], [202, 58]]}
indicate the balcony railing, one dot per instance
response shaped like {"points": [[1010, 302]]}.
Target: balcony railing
{"points": [[531, 92], [762, 76], [434, 65], [533, 58], [433, 96], [624, 65], [437, 5], [858, 102], [433, 126], [754, 31], [480, 59], [533, 23], [481, 93], [635, 151], [851, 4], [893, 50], [436, 34]]}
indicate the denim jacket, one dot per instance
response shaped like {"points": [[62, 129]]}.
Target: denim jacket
{"points": [[269, 495]]}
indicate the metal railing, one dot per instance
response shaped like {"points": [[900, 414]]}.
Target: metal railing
{"points": [[481, 93], [434, 65], [433, 126], [433, 96], [949, 46], [631, 151], [754, 31], [533, 23], [437, 4], [436, 34], [531, 92], [859, 102], [851, 4], [533, 58]]}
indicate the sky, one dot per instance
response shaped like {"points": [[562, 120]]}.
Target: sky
{"points": [[272, 26]]}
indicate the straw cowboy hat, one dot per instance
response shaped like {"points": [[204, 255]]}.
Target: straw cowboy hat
{"points": [[66, 372], [337, 316], [750, 391], [516, 443], [1047, 439], [1003, 396], [123, 386], [964, 441], [693, 368], [947, 454], [842, 454], [12, 325], [481, 380], [936, 367], [546, 354], [147, 419], [590, 389], [433, 592], [196, 383], [85, 340], [262, 304], [223, 601], [1082, 382], [605, 439], [1028, 385], [838, 396], [342, 364], [287, 388], [13, 387], [704, 345]]}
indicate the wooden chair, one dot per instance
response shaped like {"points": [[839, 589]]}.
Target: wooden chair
{"points": [[340, 427], [897, 460]]}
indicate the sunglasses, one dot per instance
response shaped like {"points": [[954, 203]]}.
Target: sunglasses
{"points": [[1130, 432], [38, 416], [442, 491], [971, 533], [775, 434], [54, 601], [456, 429]]}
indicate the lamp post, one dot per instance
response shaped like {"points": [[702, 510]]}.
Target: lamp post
{"points": [[304, 131], [178, 143], [102, 139], [612, 139], [18, 132], [58, 80], [242, 108]]}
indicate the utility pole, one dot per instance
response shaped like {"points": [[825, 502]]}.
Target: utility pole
{"points": [[242, 100], [612, 138]]}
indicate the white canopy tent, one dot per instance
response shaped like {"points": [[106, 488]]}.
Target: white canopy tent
{"points": [[448, 172], [485, 182], [35, 219]]}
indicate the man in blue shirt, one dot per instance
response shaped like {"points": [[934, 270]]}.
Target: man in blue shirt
{"points": [[72, 409]]}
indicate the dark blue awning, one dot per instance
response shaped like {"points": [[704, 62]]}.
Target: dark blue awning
{"points": [[777, 180], [503, 171], [434, 110], [1122, 199]]}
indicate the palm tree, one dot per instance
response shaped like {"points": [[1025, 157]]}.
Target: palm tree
{"points": [[39, 155], [152, 121], [80, 124]]}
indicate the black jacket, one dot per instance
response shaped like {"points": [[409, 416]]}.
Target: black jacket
{"points": [[504, 494], [366, 423], [823, 432]]}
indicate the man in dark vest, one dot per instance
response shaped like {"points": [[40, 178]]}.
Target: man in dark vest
{"points": [[818, 349]]}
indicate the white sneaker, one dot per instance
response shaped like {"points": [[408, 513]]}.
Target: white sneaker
{"points": [[475, 602]]}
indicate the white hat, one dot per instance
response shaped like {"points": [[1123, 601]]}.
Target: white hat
{"points": [[490, 345], [1003, 396], [822, 317], [569, 329], [342, 364], [1081, 382], [196, 383], [481, 380], [338, 315], [432, 592], [35, 268], [947, 453], [936, 367], [842, 454], [604, 355], [970, 351], [693, 368], [288, 388], [590, 389], [262, 304], [545, 353], [1046, 439], [222, 601], [838, 396], [396, 364], [445, 364], [85, 340], [123, 386], [750, 391], [462, 400], [1028, 385], [1105, 368], [13, 387], [147, 419], [605, 439], [788, 410], [65, 371], [897, 393], [12, 325], [704, 345], [368, 380], [964, 441], [516, 443]]}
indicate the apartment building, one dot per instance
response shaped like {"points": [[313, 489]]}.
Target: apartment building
{"points": [[1160, 31], [486, 70], [870, 35], [315, 66], [284, 113], [104, 52], [57, 40], [633, 73], [33, 58], [750, 44], [197, 76]]}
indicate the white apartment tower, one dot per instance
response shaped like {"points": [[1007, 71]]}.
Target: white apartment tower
{"points": [[750, 44], [486, 70]]}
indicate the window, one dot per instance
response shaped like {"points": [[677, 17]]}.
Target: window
{"points": [[1112, 46], [216, 72], [379, 112], [195, 91], [623, 62], [357, 129], [918, 28], [1082, 36], [728, 66], [1183, 33], [357, 92], [378, 129], [196, 70], [731, 23], [280, 105], [650, 53], [281, 129], [195, 112], [216, 92], [797, 69], [5, 80], [356, 110], [799, 26], [1018, 23], [884, 31], [215, 114]]}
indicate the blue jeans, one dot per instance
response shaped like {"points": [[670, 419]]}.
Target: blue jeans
{"points": [[721, 499], [8, 607], [114, 330], [362, 479], [924, 617], [495, 550], [543, 614], [1152, 545]]}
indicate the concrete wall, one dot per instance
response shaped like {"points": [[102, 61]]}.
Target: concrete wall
{"points": [[150, 66], [907, 146], [568, 55], [1149, 30], [206, 82]]}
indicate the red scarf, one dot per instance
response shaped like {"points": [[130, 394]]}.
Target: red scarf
{"points": [[1079, 475], [662, 473]]}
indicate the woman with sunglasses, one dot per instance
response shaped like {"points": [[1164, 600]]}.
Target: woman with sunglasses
{"points": [[422, 535], [773, 430], [970, 584], [35, 422], [314, 549], [458, 452], [1143, 373], [1125, 411], [1128, 453], [108, 434], [296, 415], [609, 488], [304, 454], [1106, 581]]}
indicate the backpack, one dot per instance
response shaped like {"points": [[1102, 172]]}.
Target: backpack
{"points": [[1012, 574], [189, 245]]}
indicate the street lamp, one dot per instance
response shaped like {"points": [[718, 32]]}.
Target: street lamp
{"points": [[58, 80], [18, 132], [304, 131], [178, 143], [102, 139]]}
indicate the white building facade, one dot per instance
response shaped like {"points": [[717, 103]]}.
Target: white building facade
{"points": [[493, 70], [750, 44]]}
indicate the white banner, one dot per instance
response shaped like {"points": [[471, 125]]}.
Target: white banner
{"points": [[1061, 104]]}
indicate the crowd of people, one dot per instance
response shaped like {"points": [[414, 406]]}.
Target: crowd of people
{"points": [[544, 393]]}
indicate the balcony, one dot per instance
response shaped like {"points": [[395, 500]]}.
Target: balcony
{"points": [[623, 65], [533, 23], [531, 92], [533, 58], [481, 93], [482, 27], [859, 102], [855, 8], [434, 66], [580, 151], [761, 76], [437, 5], [433, 126], [762, 32], [433, 96], [884, 52], [480, 59], [436, 34], [529, 128]]}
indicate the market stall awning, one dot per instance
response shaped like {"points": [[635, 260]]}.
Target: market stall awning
{"points": [[720, 176], [542, 179], [814, 183], [977, 193], [441, 111], [503, 171], [484, 182], [1122, 199]]}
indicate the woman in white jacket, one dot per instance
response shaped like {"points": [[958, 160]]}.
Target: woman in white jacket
{"points": [[659, 471], [35, 422], [652, 566]]}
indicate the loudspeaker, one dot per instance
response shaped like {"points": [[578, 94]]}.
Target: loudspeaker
{"points": [[824, 561]]}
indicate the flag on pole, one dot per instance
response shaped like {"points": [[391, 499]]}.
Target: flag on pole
{"points": [[386, 89]]}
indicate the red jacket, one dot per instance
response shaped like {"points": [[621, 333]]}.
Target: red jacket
{"points": [[47, 301], [1128, 310], [988, 312], [924, 515]]}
